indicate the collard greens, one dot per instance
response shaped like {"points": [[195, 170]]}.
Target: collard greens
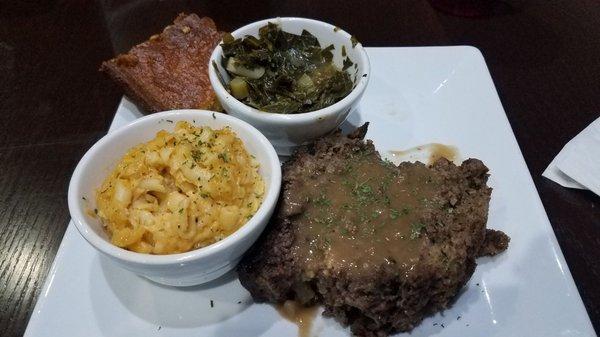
{"points": [[284, 73]]}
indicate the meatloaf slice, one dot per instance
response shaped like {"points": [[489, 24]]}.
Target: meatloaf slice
{"points": [[379, 246], [170, 70]]}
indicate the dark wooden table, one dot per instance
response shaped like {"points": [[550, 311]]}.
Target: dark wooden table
{"points": [[544, 57]]}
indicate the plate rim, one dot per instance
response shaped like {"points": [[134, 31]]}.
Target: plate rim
{"points": [[467, 49]]}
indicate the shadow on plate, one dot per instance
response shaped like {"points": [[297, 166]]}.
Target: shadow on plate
{"points": [[177, 307], [352, 122]]}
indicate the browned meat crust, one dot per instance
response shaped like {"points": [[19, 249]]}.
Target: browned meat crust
{"points": [[384, 301], [495, 243], [170, 70]]}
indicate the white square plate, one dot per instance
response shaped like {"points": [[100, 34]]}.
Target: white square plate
{"points": [[416, 96]]}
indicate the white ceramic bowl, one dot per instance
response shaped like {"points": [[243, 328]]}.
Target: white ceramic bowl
{"points": [[288, 131], [194, 267]]}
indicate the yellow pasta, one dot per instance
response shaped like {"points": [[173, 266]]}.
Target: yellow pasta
{"points": [[180, 191]]}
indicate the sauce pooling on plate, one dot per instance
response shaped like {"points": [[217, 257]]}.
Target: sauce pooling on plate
{"points": [[284, 73], [427, 153], [298, 314]]}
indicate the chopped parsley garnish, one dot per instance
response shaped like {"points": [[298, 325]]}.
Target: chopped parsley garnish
{"points": [[196, 155], [224, 157], [349, 168], [415, 230], [346, 182], [394, 214], [322, 201], [325, 221], [387, 200], [363, 193], [389, 162], [365, 189]]}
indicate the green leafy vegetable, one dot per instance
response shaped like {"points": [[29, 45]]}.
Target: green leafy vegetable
{"points": [[284, 73]]}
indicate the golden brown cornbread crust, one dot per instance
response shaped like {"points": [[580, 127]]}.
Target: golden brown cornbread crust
{"points": [[170, 70]]}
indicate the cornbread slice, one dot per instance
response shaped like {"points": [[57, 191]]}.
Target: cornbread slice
{"points": [[170, 70]]}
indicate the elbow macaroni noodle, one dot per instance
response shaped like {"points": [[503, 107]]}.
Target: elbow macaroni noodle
{"points": [[180, 191]]}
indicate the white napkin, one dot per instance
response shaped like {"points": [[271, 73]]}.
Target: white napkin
{"points": [[577, 165]]}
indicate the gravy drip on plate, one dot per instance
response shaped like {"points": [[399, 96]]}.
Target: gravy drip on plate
{"points": [[434, 151], [298, 314]]}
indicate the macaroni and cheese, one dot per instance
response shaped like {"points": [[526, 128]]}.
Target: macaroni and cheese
{"points": [[180, 191]]}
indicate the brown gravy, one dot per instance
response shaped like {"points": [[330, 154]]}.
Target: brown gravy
{"points": [[434, 152], [364, 215], [298, 314]]}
